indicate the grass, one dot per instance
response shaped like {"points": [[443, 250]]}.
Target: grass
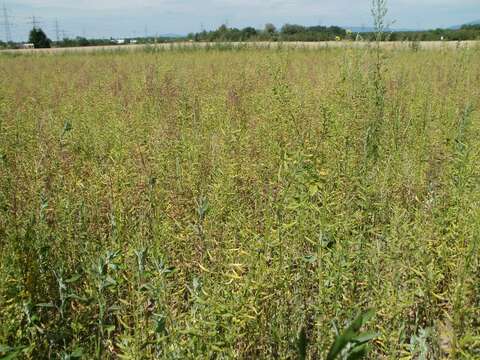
{"points": [[239, 203]]}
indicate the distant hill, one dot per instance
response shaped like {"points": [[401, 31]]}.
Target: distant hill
{"points": [[369, 29], [366, 29], [456, 27], [171, 36]]}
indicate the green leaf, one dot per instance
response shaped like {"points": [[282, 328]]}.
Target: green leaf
{"points": [[326, 241], [358, 352], [113, 266], [110, 329], [310, 259], [67, 126], [77, 353], [11, 355], [160, 327], [45, 305], [312, 189], [76, 297], [108, 282], [302, 344], [9, 352], [349, 335], [365, 337], [73, 279], [152, 181]]}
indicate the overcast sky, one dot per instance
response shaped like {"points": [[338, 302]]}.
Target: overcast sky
{"points": [[128, 18]]}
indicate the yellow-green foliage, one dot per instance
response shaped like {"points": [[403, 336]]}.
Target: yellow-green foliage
{"points": [[212, 203]]}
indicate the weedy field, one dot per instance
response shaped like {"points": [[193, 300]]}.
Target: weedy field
{"points": [[240, 203]]}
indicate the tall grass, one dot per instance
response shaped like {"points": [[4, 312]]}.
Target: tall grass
{"points": [[217, 204]]}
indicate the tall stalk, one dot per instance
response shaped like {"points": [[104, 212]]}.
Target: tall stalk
{"points": [[379, 12]]}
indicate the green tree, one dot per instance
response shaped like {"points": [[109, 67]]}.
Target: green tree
{"points": [[270, 29], [289, 29], [248, 32], [82, 41], [39, 39]]}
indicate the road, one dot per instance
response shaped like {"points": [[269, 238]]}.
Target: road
{"points": [[263, 45]]}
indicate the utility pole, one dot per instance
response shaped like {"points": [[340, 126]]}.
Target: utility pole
{"points": [[57, 31], [35, 22], [6, 24]]}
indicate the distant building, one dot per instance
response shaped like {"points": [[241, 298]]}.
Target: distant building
{"points": [[119, 41], [27, 46], [133, 41]]}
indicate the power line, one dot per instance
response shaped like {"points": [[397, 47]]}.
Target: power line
{"points": [[6, 23]]}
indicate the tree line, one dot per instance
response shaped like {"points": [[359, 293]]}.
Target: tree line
{"points": [[294, 32], [288, 32], [466, 32]]}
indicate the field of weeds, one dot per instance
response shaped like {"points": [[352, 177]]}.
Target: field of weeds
{"points": [[200, 204]]}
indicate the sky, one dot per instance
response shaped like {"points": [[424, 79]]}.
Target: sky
{"points": [[134, 18]]}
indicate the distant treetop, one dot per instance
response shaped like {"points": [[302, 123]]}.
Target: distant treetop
{"points": [[39, 39]]}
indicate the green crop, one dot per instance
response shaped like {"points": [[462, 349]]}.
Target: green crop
{"points": [[240, 203]]}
